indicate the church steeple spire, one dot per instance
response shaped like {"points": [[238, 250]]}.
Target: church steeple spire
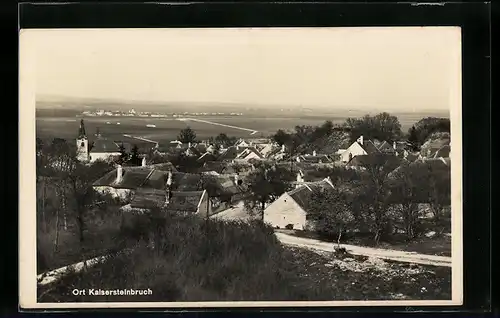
{"points": [[81, 130]]}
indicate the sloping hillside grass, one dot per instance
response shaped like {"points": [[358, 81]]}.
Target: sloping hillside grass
{"points": [[211, 260]]}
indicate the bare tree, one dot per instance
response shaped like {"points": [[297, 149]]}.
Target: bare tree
{"points": [[376, 192]]}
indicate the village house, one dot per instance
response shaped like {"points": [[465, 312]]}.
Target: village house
{"points": [[277, 153], [99, 149], [176, 202], [314, 158], [358, 148], [292, 209], [361, 162], [224, 190], [122, 182], [249, 153]]}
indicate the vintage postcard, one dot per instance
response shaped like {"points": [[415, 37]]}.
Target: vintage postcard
{"points": [[240, 167]]}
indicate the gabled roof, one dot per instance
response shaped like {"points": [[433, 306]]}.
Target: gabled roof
{"points": [[149, 177], [103, 146], [224, 185], [230, 153], [217, 166], [375, 159], [384, 146], [132, 178], [165, 166], [186, 181], [316, 159], [302, 195], [206, 157], [148, 198], [369, 147], [247, 152]]}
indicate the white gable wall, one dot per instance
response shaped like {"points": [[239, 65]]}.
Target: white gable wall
{"points": [[285, 211], [355, 149]]}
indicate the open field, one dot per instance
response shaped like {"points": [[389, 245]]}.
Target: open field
{"points": [[168, 128]]}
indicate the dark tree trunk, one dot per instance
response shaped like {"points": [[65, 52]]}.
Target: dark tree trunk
{"points": [[263, 206]]}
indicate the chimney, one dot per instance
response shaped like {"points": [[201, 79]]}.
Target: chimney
{"points": [[119, 174], [314, 153], [236, 178], [283, 148], [360, 140], [394, 145], [168, 188], [237, 148], [143, 161], [189, 145]]}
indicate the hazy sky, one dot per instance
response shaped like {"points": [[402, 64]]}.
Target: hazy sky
{"points": [[383, 68]]}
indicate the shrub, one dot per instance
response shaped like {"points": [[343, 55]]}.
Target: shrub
{"points": [[194, 260]]}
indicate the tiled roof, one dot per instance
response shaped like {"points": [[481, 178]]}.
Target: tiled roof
{"points": [[224, 185], [186, 181], [148, 198], [247, 152], [316, 159], [444, 152], [231, 153], [148, 177], [302, 195], [166, 166], [180, 201], [132, 178], [206, 157], [217, 166], [104, 145], [369, 147], [375, 159], [185, 201]]}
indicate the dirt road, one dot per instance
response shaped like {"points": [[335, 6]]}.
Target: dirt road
{"points": [[252, 131], [400, 256]]}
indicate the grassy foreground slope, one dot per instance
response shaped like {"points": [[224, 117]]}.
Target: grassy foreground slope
{"points": [[198, 260]]}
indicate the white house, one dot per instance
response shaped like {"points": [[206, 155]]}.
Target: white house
{"points": [[291, 208], [241, 143], [249, 153], [358, 148]]}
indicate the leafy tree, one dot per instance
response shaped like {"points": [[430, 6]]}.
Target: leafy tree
{"points": [[375, 193], [134, 156], [281, 137], [406, 193], [331, 212], [265, 185], [413, 139], [123, 154], [187, 135], [223, 140], [184, 163], [439, 187], [429, 125]]}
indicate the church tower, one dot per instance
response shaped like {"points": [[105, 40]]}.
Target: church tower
{"points": [[82, 143]]}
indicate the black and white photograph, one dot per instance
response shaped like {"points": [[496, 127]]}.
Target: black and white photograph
{"points": [[240, 167]]}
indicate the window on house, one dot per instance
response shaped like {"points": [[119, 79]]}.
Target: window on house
{"points": [[82, 144]]}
